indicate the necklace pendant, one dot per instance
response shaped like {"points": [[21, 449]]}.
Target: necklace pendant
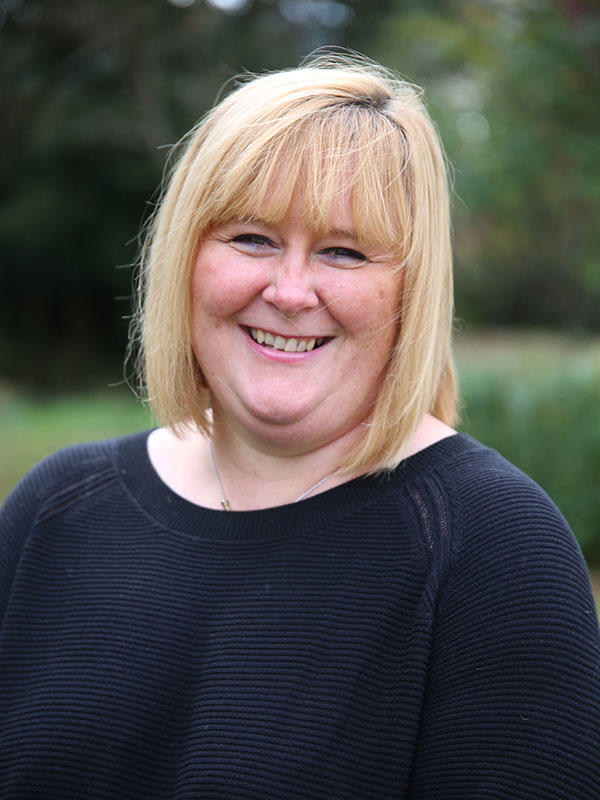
{"points": [[225, 504]]}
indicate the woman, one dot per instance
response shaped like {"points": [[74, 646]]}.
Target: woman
{"points": [[389, 609]]}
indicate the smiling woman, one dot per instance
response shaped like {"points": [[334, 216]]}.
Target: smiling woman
{"points": [[339, 183], [389, 609]]}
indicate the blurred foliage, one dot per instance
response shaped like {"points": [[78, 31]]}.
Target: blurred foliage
{"points": [[94, 92], [515, 87]]}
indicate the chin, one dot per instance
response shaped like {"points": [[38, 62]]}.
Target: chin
{"points": [[286, 409], [279, 417], [284, 427]]}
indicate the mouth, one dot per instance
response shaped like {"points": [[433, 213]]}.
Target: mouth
{"points": [[292, 344]]}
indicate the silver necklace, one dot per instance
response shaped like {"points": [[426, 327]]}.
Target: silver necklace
{"points": [[225, 503]]}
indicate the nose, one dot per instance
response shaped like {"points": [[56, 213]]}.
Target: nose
{"points": [[292, 286]]}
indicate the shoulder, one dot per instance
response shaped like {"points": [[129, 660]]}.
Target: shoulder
{"points": [[68, 476], [500, 505], [481, 515], [75, 465], [488, 492]]}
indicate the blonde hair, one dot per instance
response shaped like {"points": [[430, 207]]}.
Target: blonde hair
{"points": [[334, 118]]}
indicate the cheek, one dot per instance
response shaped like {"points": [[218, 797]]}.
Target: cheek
{"points": [[383, 329], [379, 312], [202, 308], [212, 298], [221, 289]]}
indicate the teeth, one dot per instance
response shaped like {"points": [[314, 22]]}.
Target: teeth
{"points": [[291, 345]]}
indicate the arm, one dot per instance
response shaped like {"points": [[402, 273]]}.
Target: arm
{"points": [[512, 708], [46, 489]]}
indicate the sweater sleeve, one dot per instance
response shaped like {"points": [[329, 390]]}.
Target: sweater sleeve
{"points": [[17, 516], [512, 708], [47, 484]]}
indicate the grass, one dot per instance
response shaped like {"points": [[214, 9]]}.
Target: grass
{"points": [[31, 428]]}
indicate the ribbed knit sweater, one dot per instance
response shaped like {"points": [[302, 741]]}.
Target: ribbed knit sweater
{"points": [[429, 635]]}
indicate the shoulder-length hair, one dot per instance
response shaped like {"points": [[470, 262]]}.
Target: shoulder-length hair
{"points": [[334, 124]]}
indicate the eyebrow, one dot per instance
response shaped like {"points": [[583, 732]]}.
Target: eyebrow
{"points": [[343, 232]]}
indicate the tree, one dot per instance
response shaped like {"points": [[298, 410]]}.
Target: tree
{"points": [[516, 90]]}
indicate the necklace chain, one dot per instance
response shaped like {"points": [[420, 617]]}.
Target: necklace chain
{"points": [[225, 503]]}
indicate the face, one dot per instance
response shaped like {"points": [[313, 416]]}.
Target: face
{"points": [[292, 328]]}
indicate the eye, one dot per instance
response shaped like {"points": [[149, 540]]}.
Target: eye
{"points": [[344, 256], [252, 241]]}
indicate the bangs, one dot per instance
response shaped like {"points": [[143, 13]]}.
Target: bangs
{"points": [[350, 150]]}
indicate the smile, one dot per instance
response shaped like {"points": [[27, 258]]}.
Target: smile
{"points": [[294, 344]]}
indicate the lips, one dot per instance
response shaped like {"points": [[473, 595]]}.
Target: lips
{"points": [[292, 344]]}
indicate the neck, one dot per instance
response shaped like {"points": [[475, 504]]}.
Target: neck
{"points": [[253, 478]]}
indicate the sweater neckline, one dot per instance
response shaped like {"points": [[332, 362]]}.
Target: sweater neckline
{"points": [[165, 507]]}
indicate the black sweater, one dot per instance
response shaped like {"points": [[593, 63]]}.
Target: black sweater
{"points": [[427, 635]]}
